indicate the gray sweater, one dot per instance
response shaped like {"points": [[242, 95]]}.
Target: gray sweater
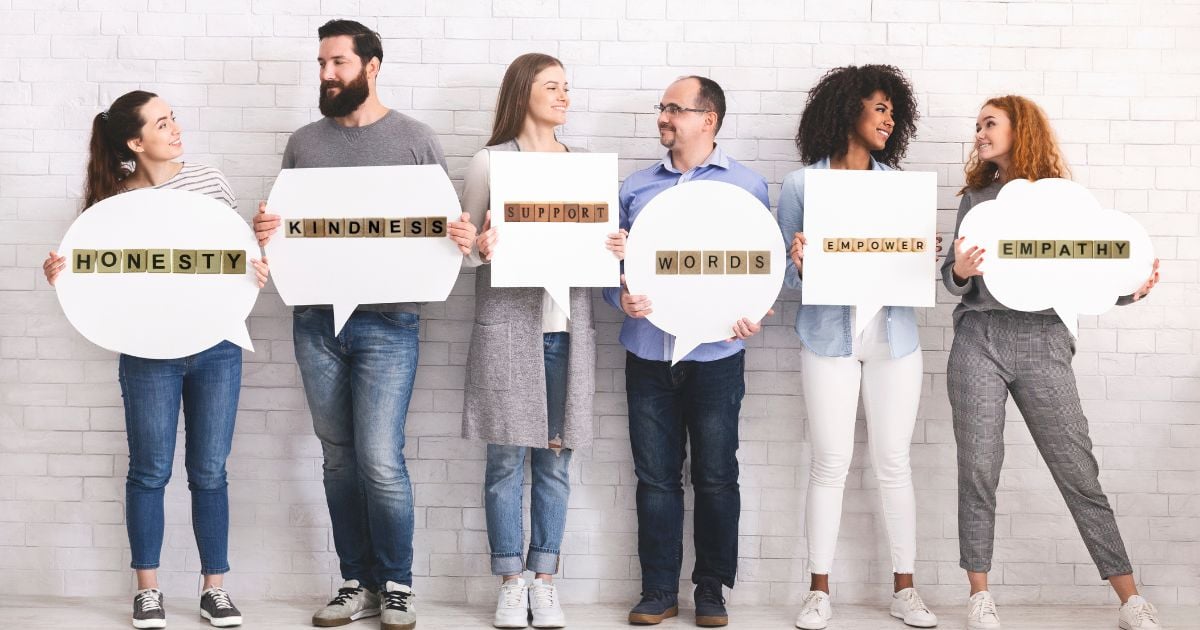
{"points": [[393, 140]]}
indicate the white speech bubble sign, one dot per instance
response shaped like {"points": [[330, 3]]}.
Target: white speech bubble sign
{"points": [[350, 270], [872, 208], [704, 216], [158, 315], [1056, 210], [550, 254]]}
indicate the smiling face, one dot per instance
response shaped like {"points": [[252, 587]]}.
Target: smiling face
{"points": [[993, 135], [549, 97], [161, 138], [685, 128], [875, 123]]}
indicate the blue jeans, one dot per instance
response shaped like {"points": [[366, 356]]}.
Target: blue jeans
{"points": [[358, 385], [551, 485], [667, 405], [208, 383]]}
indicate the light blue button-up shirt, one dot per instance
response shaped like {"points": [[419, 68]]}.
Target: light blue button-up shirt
{"points": [[638, 335], [827, 330]]}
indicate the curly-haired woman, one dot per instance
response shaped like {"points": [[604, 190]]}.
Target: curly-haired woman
{"points": [[997, 351], [857, 118]]}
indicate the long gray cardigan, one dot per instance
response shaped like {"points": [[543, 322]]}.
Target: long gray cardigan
{"points": [[505, 400]]}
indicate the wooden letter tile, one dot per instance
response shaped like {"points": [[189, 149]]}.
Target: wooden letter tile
{"points": [[414, 226], [760, 262], [1120, 249], [1026, 249], [209, 261], [183, 260], [314, 227], [375, 227], [295, 228], [587, 213], [1045, 249], [601, 215], [571, 213], [83, 260], [526, 214], [511, 210], [335, 228], [158, 260], [666, 263], [435, 227], [135, 260], [714, 263], [354, 227], [395, 228], [233, 261], [735, 262], [689, 263], [541, 212], [108, 261], [1008, 249], [556, 212]]}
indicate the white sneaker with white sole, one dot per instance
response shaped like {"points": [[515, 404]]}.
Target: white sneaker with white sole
{"points": [[815, 612], [543, 601], [981, 612], [512, 605], [1138, 614], [907, 606]]}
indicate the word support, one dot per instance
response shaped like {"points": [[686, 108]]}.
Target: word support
{"points": [[555, 212], [709, 262], [369, 227]]}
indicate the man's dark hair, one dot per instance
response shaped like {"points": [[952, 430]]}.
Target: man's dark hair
{"points": [[366, 41], [711, 97]]}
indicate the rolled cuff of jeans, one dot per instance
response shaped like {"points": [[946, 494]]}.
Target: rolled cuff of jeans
{"points": [[507, 564], [542, 561]]}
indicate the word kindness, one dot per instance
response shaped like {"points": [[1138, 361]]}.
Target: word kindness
{"points": [[370, 227], [555, 212], [690, 263], [875, 245], [158, 261], [1064, 249]]}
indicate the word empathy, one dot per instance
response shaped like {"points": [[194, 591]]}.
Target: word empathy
{"points": [[1064, 249], [158, 261], [370, 227], [691, 263], [555, 212], [875, 245]]}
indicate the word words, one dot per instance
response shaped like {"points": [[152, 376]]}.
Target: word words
{"points": [[691, 263], [369, 227], [158, 261], [1064, 249], [875, 245], [555, 212]]}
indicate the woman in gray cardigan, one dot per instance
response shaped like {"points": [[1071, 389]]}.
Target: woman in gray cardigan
{"points": [[530, 369]]}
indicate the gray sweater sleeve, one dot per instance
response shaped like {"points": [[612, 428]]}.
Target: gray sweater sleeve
{"points": [[953, 287], [476, 198]]}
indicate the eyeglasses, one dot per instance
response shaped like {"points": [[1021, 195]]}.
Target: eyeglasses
{"points": [[671, 109]]}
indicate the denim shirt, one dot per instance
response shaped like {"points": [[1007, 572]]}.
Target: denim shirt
{"points": [[824, 329], [638, 335]]}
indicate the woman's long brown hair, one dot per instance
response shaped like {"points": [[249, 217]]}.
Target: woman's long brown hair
{"points": [[1034, 153], [512, 104], [108, 150]]}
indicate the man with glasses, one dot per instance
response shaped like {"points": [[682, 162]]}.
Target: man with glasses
{"points": [[699, 397]]}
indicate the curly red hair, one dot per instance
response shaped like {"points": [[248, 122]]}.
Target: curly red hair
{"points": [[1034, 154]]}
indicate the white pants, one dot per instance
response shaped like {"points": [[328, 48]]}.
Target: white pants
{"points": [[891, 392]]}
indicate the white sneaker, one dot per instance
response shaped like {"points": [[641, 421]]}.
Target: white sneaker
{"points": [[512, 605], [815, 612], [907, 605], [543, 600], [1138, 614], [981, 612], [352, 602]]}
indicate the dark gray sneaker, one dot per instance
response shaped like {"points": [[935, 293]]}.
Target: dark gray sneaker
{"points": [[710, 603], [654, 607], [148, 611], [218, 609]]}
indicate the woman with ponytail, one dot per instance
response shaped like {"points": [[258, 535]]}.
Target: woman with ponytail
{"points": [[135, 144]]}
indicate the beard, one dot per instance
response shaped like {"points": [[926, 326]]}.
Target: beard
{"points": [[347, 100], [666, 141]]}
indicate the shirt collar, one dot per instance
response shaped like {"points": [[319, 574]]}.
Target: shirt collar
{"points": [[824, 163], [717, 158]]}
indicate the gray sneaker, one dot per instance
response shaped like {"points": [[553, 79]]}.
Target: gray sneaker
{"points": [[399, 611], [218, 609], [352, 602], [148, 611]]}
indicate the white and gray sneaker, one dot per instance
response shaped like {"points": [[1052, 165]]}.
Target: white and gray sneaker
{"points": [[543, 600], [399, 609], [512, 605], [815, 612], [1138, 614], [907, 606], [148, 611], [352, 602], [218, 609], [981, 612]]}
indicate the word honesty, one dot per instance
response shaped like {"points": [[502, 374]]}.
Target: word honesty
{"points": [[370, 227], [1064, 249], [158, 260], [555, 212], [691, 263], [875, 245]]}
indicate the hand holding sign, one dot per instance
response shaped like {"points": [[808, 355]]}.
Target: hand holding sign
{"points": [[1049, 244], [159, 274]]}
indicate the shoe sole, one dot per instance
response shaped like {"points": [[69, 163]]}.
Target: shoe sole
{"points": [[643, 619], [548, 624], [915, 625], [712, 621], [334, 623], [510, 624], [224, 622], [971, 626], [398, 626], [149, 623]]}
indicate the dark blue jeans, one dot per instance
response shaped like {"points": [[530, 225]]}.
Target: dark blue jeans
{"points": [[208, 383], [358, 386], [667, 405]]}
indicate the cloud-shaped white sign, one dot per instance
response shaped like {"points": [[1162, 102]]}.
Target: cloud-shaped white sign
{"points": [[159, 274], [1051, 245]]}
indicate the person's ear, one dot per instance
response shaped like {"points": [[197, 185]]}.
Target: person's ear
{"points": [[710, 119], [135, 145], [373, 68]]}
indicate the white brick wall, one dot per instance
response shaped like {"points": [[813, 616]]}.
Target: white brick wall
{"points": [[1120, 79]]}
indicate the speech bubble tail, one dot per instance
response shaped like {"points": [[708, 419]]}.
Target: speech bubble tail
{"points": [[863, 314], [682, 348], [240, 336], [341, 314], [1070, 319], [561, 297]]}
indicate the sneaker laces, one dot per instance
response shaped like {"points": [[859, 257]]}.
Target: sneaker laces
{"points": [[812, 602], [512, 591], [220, 598], [544, 594], [344, 595], [1145, 612], [396, 600], [916, 603], [148, 600], [985, 607]]}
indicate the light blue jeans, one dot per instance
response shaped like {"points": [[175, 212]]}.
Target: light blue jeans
{"points": [[551, 483], [358, 386]]}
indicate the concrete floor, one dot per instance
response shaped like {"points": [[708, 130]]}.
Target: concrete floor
{"points": [[33, 613]]}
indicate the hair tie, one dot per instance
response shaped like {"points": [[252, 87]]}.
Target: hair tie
{"points": [[104, 115]]}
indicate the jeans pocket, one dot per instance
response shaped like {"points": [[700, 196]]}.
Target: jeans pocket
{"points": [[491, 357], [400, 318]]}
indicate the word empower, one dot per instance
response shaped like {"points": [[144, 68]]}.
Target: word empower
{"points": [[555, 212], [692, 263], [875, 245], [158, 260], [1064, 249], [369, 227]]}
